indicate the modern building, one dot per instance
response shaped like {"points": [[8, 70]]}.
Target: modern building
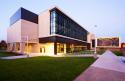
{"points": [[113, 42], [23, 26], [52, 32], [108, 43], [123, 45]]}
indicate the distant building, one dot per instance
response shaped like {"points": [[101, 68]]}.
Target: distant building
{"points": [[123, 45], [123, 48], [108, 42], [51, 32]]}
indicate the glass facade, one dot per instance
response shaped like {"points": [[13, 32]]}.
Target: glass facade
{"points": [[22, 13], [63, 25], [53, 20], [15, 17], [60, 48]]}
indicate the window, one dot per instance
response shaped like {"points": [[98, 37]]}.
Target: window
{"points": [[52, 22], [60, 48]]}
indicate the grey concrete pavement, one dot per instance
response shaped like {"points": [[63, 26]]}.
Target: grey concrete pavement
{"points": [[107, 67], [100, 74]]}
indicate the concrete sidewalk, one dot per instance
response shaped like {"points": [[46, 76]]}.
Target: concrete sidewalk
{"points": [[39, 54], [107, 67], [21, 56], [14, 57]]}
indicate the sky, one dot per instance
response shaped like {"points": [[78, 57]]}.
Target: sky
{"points": [[104, 18]]}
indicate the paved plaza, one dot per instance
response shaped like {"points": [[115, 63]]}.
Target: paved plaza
{"points": [[107, 67]]}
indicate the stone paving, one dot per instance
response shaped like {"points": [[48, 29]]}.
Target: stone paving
{"points": [[107, 67]]}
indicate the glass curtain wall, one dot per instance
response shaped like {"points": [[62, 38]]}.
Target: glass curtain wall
{"points": [[63, 25], [53, 22], [60, 48], [72, 48]]}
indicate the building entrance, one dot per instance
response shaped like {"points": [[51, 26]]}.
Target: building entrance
{"points": [[42, 49]]}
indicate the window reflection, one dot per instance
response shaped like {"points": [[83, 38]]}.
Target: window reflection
{"points": [[53, 20]]}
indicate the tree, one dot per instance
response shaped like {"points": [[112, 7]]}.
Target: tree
{"points": [[3, 45]]}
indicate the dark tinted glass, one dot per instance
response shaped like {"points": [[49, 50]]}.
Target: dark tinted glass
{"points": [[30, 16], [15, 17], [67, 27], [24, 14], [52, 22]]}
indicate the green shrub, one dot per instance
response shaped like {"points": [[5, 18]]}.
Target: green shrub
{"points": [[100, 51], [118, 53]]}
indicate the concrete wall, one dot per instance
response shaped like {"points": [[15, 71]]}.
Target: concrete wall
{"points": [[14, 32], [49, 48], [18, 33], [90, 37], [35, 48], [29, 29], [44, 24]]}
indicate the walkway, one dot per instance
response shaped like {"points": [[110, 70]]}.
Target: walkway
{"points": [[14, 57], [21, 56], [107, 67], [39, 54]]}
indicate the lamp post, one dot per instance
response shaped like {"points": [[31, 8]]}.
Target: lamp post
{"points": [[27, 45], [95, 45], [25, 39], [95, 52]]}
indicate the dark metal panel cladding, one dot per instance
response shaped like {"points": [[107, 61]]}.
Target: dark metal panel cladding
{"points": [[28, 15], [57, 39], [61, 40]]}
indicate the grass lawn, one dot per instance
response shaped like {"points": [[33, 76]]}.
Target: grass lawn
{"points": [[43, 68], [3, 54]]}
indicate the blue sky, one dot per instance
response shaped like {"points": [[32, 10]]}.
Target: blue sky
{"points": [[108, 15]]}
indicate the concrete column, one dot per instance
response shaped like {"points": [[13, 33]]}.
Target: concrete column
{"points": [[14, 47], [8, 47], [11, 47], [22, 46], [65, 48], [35, 48], [55, 48]]}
